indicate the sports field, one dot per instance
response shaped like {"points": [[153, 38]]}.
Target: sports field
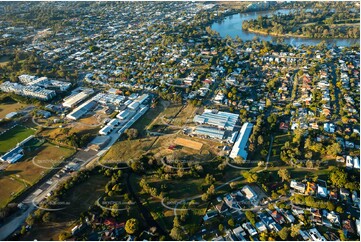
{"points": [[10, 138], [28, 171]]}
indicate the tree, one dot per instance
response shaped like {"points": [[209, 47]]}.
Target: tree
{"points": [[30, 220], [205, 197], [295, 230], [342, 235], [330, 206], [115, 210], [209, 179], [176, 233], [131, 226], [339, 209], [260, 140], [283, 234], [309, 163], [334, 149], [251, 217], [338, 177], [131, 133], [211, 190], [46, 217], [23, 230], [220, 228], [284, 174], [238, 160], [176, 222], [250, 176], [64, 235], [231, 223]]}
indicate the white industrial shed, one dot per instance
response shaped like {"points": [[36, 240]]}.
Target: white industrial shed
{"points": [[106, 130], [221, 120], [240, 146], [209, 132]]}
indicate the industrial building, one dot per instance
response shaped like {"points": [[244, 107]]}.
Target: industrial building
{"points": [[81, 110], [240, 146], [209, 132], [218, 119], [106, 130], [125, 114], [99, 143], [140, 113], [74, 99]]}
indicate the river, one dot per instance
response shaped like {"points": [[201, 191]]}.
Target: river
{"points": [[232, 26]]}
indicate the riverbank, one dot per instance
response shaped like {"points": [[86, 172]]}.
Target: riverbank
{"points": [[266, 33]]}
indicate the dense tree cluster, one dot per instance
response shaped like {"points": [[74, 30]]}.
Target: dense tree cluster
{"points": [[318, 23]]}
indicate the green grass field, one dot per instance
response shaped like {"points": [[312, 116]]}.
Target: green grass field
{"points": [[9, 139]]}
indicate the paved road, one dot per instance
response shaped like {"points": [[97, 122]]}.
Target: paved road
{"points": [[46, 187]]}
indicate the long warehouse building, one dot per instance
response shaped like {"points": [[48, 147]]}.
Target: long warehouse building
{"points": [[240, 146], [209, 132], [221, 120]]}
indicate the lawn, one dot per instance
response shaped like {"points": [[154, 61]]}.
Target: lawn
{"points": [[148, 118], [6, 108], [10, 138], [125, 150], [25, 173], [185, 116], [79, 199], [9, 187], [39, 162]]}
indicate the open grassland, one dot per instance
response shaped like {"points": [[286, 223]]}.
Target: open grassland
{"points": [[9, 139], [60, 135], [185, 116], [6, 108], [9, 187], [40, 162], [27, 172], [79, 199], [125, 150]]}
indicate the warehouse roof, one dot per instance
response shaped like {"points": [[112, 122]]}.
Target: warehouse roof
{"points": [[222, 120], [239, 147], [209, 131]]}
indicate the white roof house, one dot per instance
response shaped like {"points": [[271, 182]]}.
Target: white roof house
{"points": [[240, 146], [321, 191], [356, 162], [349, 161], [249, 193]]}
